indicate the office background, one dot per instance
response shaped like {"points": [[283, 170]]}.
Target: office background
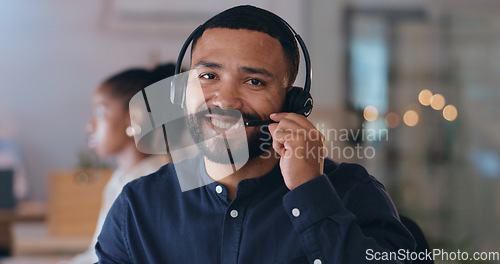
{"points": [[441, 169]]}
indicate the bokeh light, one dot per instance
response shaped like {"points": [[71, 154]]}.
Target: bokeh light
{"points": [[370, 113], [450, 112], [424, 97], [411, 118], [392, 120], [437, 102]]}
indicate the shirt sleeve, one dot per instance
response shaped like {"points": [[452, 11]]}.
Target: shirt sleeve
{"points": [[332, 233], [112, 245]]}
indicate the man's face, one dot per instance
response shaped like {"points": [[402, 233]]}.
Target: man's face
{"points": [[239, 71]]}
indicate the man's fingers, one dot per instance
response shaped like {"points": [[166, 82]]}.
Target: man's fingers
{"points": [[293, 131], [278, 116], [292, 117], [290, 130], [278, 140]]}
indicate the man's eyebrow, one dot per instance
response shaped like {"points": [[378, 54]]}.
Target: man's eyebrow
{"points": [[261, 71], [208, 64]]}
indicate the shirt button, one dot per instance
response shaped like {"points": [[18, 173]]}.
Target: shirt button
{"points": [[234, 213], [317, 261], [296, 213], [218, 189]]}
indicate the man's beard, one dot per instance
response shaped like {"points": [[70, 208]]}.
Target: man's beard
{"points": [[216, 148]]}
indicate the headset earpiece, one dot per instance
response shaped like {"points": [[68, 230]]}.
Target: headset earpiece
{"points": [[298, 101]]}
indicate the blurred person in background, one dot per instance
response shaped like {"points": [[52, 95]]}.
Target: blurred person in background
{"points": [[111, 135]]}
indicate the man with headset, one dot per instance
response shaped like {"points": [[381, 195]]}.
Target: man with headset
{"points": [[293, 206]]}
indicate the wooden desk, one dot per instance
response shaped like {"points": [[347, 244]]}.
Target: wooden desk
{"points": [[30, 211], [61, 228], [24, 211], [29, 235], [75, 199], [34, 239]]}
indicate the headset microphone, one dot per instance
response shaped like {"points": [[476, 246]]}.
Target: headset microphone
{"points": [[298, 100]]}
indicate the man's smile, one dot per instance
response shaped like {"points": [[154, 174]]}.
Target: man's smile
{"points": [[224, 122]]}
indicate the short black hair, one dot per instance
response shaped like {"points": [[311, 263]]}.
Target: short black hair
{"points": [[125, 84], [257, 19]]}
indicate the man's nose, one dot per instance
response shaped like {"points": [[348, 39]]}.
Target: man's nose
{"points": [[227, 96]]}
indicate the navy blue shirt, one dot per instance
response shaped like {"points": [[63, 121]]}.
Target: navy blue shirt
{"points": [[334, 218]]}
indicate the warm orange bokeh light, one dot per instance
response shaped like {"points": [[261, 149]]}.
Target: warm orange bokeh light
{"points": [[424, 97], [450, 112], [370, 113], [411, 118], [437, 102]]}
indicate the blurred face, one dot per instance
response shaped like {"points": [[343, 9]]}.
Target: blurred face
{"points": [[239, 71], [108, 124]]}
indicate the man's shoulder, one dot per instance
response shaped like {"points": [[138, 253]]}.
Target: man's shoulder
{"points": [[164, 178], [352, 182], [347, 172], [171, 177]]}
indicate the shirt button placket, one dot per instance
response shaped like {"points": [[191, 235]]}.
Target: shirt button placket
{"points": [[296, 212], [234, 213], [232, 235]]}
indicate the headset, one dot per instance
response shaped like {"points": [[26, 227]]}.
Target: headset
{"points": [[298, 100]]}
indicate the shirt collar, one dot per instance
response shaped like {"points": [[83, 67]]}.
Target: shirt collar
{"points": [[247, 187]]}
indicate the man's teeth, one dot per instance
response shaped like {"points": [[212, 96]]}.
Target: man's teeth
{"points": [[224, 125]]}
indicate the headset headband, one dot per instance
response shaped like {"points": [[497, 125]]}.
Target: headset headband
{"points": [[307, 85]]}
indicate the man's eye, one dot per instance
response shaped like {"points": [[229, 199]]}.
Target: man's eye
{"points": [[255, 82], [208, 76]]}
